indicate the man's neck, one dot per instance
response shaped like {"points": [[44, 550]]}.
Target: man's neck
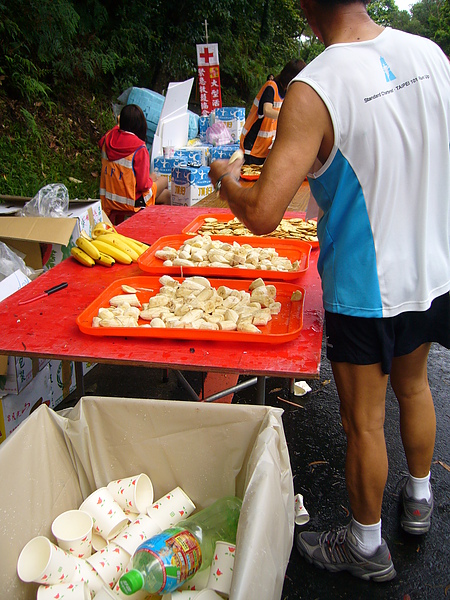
{"points": [[349, 23]]}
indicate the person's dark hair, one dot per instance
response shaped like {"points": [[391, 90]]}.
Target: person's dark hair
{"points": [[289, 71], [333, 3], [133, 119]]}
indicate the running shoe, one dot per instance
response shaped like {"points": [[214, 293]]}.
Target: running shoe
{"points": [[338, 551], [416, 516]]}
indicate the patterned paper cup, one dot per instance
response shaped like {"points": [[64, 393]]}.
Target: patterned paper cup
{"points": [[301, 514], [73, 532], [138, 531], [42, 561], [64, 591], [208, 594], [90, 576], [98, 542], [182, 595], [171, 508], [133, 494], [222, 568], [106, 594], [110, 563], [198, 582], [108, 516]]}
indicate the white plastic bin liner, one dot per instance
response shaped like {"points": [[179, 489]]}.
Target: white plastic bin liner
{"points": [[52, 462]]}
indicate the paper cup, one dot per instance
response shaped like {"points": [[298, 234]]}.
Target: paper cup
{"points": [[222, 568], [98, 542], [73, 532], [64, 591], [110, 563], [108, 517], [198, 582], [133, 494], [301, 514], [168, 151], [208, 595], [42, 561], [171, 508], [90, 576], [106, 594], [141, 529], [181, 595]]}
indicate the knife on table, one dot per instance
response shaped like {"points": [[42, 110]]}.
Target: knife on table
{"points": [[46, 293]]}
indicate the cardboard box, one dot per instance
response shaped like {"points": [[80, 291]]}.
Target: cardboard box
{"points": [[15, 408], [222, 151], [50, 385], [164, 166], [200, 147], [190, 156], [203, 123], [87, 367], [12, 283], [62, 380], [47, 241], [189, 185], [52, 462], [19, 374], [234, 119]]}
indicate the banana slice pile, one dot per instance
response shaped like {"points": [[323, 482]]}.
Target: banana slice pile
{"points": [[106, 247], [202, 251], [194, 304]]}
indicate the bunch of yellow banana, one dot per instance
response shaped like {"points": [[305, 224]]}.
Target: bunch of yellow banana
{"points": [[106, 247]]}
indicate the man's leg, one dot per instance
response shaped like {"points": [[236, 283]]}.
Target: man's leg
{"points": [[362, 394], [358, 547], [409, 381], [418, 430]]}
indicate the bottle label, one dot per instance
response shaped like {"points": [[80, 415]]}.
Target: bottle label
{"points": [[178, 552]]}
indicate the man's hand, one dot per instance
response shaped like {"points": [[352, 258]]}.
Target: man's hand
{"points": [[220, 168]]}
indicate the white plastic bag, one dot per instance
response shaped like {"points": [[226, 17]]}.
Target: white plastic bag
{"points": [[51, 201], [11, 262], [218, 135]]}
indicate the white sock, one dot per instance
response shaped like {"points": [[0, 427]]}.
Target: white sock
{"points": [[367, 536], [419, 487]]}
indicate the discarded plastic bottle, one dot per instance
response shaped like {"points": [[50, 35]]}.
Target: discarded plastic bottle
{"points": [[164, 562]]}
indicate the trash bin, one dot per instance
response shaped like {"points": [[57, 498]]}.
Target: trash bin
{"points": [[52, 462]]}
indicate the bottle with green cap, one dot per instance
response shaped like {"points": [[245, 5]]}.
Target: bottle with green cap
{"points": [[164, 562]]}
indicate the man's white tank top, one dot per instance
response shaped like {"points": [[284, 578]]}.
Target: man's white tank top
{"points": [[385, 188]]}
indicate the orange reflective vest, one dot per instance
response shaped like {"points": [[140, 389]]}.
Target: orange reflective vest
{"points": [[267, 131], [118, 184]]}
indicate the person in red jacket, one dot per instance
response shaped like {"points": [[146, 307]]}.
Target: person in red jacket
{"points": [[125, 181]]}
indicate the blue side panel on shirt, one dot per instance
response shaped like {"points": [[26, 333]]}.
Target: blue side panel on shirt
{"points": [[346, 239]]}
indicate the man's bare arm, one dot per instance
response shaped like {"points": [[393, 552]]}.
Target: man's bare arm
{"points": [[304, 131]]}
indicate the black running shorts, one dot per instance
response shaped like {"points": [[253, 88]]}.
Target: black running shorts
{"points": [[362, 341]]}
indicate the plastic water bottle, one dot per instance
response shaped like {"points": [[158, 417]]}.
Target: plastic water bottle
{"points": [[164, 562]]}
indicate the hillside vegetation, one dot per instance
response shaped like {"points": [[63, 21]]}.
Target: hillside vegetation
{"points": [[64, 62]]}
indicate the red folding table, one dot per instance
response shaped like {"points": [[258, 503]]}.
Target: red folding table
{"points": [[48, 328]]}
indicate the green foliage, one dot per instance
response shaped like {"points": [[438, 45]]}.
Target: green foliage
{"points": [[42, 145], [63, 61], [383, 12]]}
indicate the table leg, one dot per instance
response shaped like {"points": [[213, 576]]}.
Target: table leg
{"points": [[261, 390], [79, 379]]}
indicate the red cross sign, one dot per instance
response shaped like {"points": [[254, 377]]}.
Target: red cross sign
{"points": [[208, 77]]}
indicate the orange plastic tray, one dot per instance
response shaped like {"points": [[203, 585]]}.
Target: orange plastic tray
{"points": [[283, 327], [292, 249], [199, 221], [250, 177]]}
